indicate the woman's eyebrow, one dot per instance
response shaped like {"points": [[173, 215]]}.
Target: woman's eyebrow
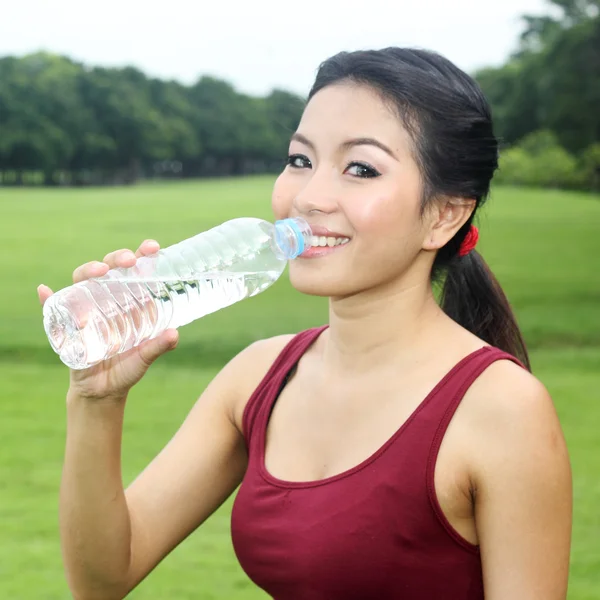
{"points": [[363, 141], [368, 142], [298, 137]]}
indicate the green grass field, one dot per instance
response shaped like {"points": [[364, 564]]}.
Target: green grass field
{"points": [[543, 246]]}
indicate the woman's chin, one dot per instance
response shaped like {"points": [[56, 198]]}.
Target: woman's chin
{"points": [[314, 284]]}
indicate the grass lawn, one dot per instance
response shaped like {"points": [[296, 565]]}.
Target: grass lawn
{"points": [[543, 246]]}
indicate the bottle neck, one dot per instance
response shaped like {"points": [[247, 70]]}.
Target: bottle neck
{"points": [[292, 237]]}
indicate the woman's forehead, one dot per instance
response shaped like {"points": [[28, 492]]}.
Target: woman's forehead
{"points": [[351, 110]]}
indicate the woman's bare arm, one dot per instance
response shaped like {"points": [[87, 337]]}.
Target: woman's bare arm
{"points": [[113, 538], [522, 479]]}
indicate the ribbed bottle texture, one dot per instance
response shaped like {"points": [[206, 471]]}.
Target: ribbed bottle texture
{"points": [[91, 321]]}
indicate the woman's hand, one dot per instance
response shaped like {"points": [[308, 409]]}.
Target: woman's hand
{"points": [[114, 377]]}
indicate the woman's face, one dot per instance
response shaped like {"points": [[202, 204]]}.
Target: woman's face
{"points": [[351, 172]]}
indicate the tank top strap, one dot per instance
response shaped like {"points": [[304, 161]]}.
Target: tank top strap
{"points": [[267, 390], [446, 398], [452, 388]]}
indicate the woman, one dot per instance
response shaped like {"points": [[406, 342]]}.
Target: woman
{"points": [[404, 451]]}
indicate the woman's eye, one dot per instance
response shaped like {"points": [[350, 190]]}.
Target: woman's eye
{"points": [[299, 161], [362, 170]]}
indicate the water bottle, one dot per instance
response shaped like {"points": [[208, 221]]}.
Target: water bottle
{"points": [[93, 320]]}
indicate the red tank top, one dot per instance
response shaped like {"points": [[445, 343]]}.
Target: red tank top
{"points": [[375, 531]]}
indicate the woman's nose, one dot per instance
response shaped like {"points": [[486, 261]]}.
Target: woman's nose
{"points": [[319, 194]]}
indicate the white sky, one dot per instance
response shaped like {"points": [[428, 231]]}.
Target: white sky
{"points": [[258, 44]]}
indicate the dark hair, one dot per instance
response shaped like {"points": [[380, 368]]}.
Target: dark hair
{"points": [[450, 124]]}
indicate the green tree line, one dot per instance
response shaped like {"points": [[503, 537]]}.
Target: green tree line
{"points": [[546, 99], [62, 122]]}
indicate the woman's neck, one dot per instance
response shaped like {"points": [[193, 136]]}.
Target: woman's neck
{"points": [[372, 329]]}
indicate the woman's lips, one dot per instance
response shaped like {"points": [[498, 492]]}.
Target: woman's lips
{"points": [[317, 251], [324, 241]]}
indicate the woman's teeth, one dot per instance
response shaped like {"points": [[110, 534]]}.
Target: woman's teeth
{"points": [[321, 240]]}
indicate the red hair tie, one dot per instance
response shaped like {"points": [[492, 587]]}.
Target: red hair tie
{"points": [[469, 242]]}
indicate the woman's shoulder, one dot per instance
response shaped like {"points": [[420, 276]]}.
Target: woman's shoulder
{"points": [[505, 390], [258, 357], [512, 420], [251, 366]]}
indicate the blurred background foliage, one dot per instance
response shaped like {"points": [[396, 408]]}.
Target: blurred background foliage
{"points": [[63, 123]]}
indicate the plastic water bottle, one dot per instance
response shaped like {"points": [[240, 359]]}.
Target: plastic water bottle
{"points": [[93, 320]]}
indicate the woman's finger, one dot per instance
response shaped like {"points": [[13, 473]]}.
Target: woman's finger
{"points": [[89, 270], [120, 258], [44, 292], [147, 247], [152, 349]]}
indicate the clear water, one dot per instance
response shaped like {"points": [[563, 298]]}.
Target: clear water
{"points": [[91, 321]]}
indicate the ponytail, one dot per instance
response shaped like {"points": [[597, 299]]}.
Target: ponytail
{"points": [[472, 296]]}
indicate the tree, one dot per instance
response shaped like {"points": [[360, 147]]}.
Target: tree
{"points": [[39, 111], [105, 125], [553, 80]]}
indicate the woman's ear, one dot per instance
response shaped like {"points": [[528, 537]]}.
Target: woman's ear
{"points": [[446, 217]]}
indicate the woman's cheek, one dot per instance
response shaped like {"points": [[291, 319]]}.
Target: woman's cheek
{"points": [[388, 220], [376, 213], [281, 198]]}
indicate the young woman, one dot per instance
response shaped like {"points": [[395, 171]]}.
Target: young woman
{"points": [[404, 451]]}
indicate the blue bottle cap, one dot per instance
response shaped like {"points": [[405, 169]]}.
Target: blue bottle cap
{"points": [[292, 236]]}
